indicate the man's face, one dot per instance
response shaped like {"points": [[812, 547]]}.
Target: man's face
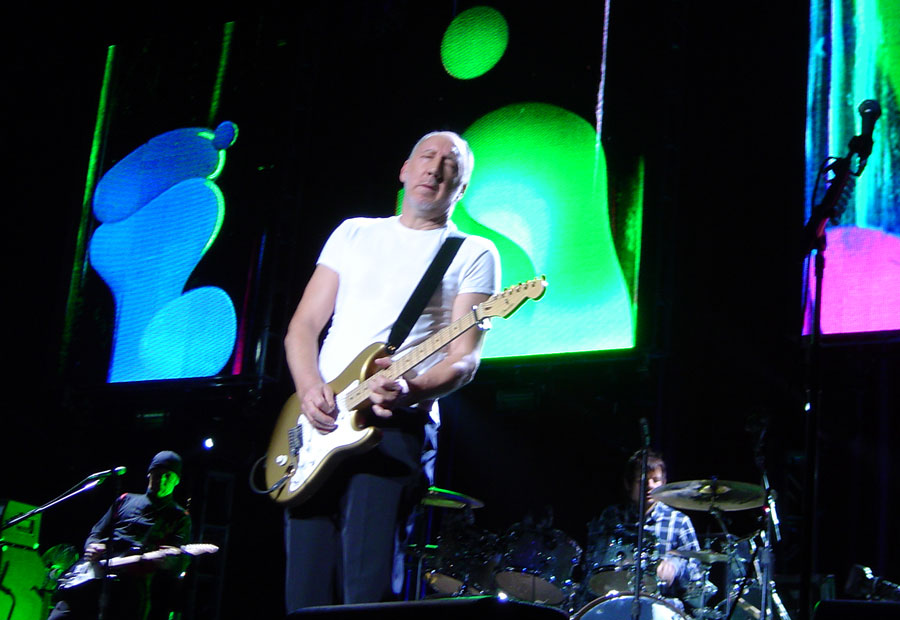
{"points": [[655, 479], [162, 482], [431, 180]]}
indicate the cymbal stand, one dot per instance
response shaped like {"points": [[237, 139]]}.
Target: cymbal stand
{"points": [[768, 591], [422, 518], [642, 517], [731, 551], [745, 580], [766, 562]]}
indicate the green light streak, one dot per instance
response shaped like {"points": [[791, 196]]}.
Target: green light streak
{"points": [[633, 217], [474, 42], [79, 263], [220, 164], [220, 216], [220, 73]]}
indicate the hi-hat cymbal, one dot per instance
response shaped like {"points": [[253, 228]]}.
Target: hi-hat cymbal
{"points": [[707, 557], [709, 494], [442, 498]]}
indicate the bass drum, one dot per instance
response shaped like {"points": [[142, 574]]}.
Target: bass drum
{"points": [[610, 567], [618, 607], [537, 565], [464, 563]]}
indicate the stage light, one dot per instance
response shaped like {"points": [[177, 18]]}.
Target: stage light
{"points": [[209, 443]]}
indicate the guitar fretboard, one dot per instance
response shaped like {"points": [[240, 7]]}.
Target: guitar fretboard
{"points": [[422, 351]]}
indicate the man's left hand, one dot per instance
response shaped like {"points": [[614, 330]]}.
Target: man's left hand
{"points": [[386, 394]]}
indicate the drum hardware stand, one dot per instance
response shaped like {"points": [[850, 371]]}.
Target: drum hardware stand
{"points": [[642, 517], [743, 588], [422, 521], [767, 560], [731, 551]]}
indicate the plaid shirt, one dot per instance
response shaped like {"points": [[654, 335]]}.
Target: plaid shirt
{"points": [[665, 529]]}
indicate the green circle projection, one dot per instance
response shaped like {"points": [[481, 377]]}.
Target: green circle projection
{"points": [[474, 42]]}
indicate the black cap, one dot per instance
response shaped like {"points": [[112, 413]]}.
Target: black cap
{"points": [[166, 460]]}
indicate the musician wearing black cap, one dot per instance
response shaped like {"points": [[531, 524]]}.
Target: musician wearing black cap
{"points": [[135, 524]]}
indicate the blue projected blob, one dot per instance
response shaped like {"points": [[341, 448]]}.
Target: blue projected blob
{"points": [[161, 212], [175, 343]]}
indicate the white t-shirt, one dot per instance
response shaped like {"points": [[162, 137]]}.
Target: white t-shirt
{"points": [[379, 263]]}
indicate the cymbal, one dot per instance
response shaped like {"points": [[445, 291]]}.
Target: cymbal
{"points": [[707, 557], [442, 498], [708, 494]]}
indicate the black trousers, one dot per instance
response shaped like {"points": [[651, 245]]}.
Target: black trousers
{"points": [[340, 545]]}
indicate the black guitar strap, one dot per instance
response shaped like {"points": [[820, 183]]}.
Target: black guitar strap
{"points": [[427, 285]]}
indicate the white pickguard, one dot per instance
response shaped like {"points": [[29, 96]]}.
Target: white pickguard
{"points": [[317, 446]]}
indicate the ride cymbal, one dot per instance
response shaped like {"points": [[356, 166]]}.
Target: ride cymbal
{"points": [[709, 494], [442, 498]]}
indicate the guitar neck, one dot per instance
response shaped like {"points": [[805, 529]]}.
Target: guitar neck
{"points": [[134, 559], [190, 549], [416, 355]]}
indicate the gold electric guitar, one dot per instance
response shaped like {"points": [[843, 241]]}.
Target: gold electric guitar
{"points": [[300, 458]]}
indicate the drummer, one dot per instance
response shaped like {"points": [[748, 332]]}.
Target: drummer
{"points": [[666, 527]]}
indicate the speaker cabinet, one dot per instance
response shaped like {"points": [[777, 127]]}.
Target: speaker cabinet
{"points": [[24, 593]]}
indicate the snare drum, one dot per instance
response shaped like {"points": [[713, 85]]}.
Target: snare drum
{"points": [[618, 607], [537, 564]]}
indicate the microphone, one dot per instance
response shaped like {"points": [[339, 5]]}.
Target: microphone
{"points": [[101, 475], [869, 111]]}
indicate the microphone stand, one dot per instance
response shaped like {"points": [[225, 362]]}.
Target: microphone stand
{"points": [[87, 486], [830, 208], [642, 507]]}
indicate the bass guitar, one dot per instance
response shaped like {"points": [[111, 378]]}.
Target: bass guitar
{"points": [[299, 458]]}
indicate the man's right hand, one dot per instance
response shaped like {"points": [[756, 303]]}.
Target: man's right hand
{"points": [[317, 404], [95, 551]]}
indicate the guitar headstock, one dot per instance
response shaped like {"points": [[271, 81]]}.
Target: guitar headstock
{"points": [[199, 548], [503, 304]]}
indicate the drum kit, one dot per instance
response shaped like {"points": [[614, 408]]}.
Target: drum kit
{"points": [[541, 565]]}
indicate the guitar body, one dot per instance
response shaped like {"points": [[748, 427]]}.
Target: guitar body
{"points": [[81, 573], [301, 456]]}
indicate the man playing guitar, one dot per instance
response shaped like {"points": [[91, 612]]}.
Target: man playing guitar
{"points": [[340, 543]]}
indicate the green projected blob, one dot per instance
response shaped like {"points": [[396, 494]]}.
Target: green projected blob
{"points": [[538, 192], [474, 42]]}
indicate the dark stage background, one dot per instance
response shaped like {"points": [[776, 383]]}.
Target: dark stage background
{"points": [[715, 98]]}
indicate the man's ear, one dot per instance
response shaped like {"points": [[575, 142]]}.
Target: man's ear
{"points": [[403, 171], [461, 191]]}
